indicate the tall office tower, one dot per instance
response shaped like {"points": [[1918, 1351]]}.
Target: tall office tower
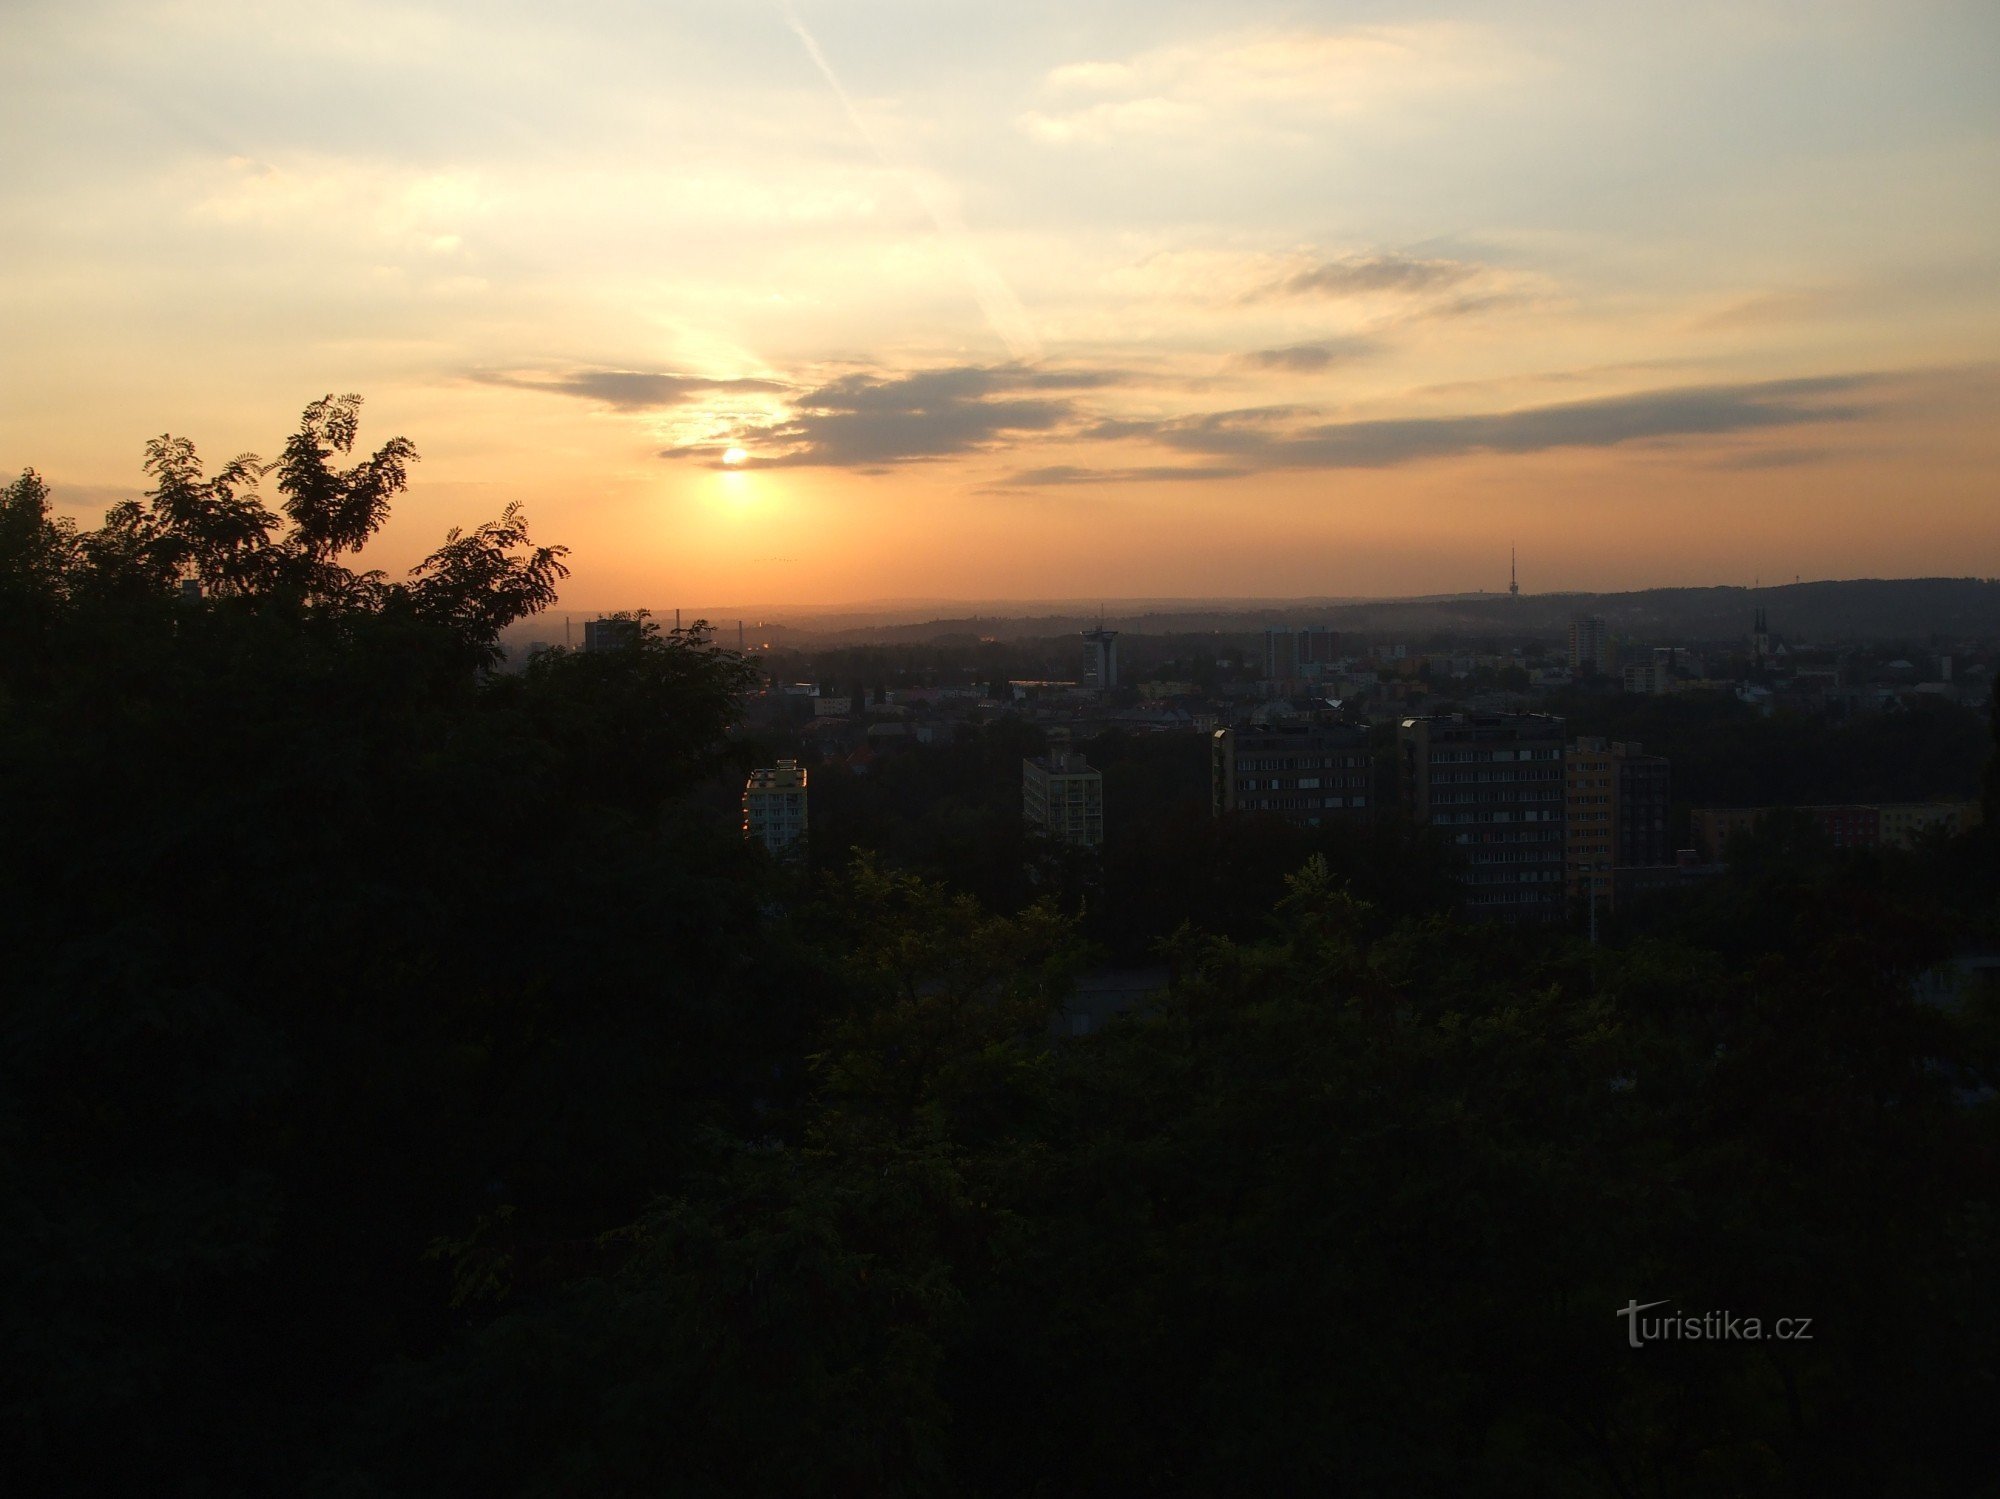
{"points": [[1589, 647], [1615, 814], [1063, 796], [609, 634], [1306, 773], [1494, 783], [774, 806], [1100, 659]]}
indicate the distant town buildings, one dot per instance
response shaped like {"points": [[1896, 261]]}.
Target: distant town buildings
{"points": [[1304, 772], [1883, 825], [774, 806], [1669, 668], [1493, 782], [1062, 795]]}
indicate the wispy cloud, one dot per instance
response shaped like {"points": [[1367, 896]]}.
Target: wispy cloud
{"points": [[1003, 310], [864, 420], [630, 390], [1275, 438], [1262, 77], [1065, 473], [1369, 275], [1309, 358]]}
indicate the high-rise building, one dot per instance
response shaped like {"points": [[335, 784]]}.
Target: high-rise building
{"points": [[610, 634], [1615, 813], [1493, 782], [774, 806], [1639, 821], [1590, 801], [1062, 795], [1590, 653], [1288, 653], [1100, 659], [1306, 773], [1281, 655]]}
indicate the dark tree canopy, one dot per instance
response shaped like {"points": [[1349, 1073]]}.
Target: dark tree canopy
{"points": [[411, 1083]]}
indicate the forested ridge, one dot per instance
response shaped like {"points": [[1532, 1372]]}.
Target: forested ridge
{"points": [[410, 1087]]}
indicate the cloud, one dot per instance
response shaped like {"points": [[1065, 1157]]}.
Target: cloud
{"points": [[1272, 438], [1284, 79], [871, 421], [1770, 309], [630, 390], [1307, 358], [1773, 458], [1004, 313], [861, 420], [1065, 473], [1368, 276], [1470, 306]]}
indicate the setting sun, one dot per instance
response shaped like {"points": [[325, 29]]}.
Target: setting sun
{"points": [[734, 457]]}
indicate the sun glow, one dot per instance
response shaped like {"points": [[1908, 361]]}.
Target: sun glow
{"points": [[735, 456]]}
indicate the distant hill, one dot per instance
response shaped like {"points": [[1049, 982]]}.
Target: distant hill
{"points": [[1852, 611]]}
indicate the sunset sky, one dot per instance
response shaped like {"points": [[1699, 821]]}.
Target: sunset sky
{"points": [[857, 300]]}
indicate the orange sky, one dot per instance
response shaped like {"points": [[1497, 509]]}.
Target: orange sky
{"points": [[1008, 303]]}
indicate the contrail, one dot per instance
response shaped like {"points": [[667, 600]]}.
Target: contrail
{"points": [[1004, 312]]}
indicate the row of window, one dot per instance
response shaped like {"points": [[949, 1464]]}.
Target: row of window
{"points": [[1480, 757], [1297, 803], [1301, 762], [1496, 798], [1304, 783]]}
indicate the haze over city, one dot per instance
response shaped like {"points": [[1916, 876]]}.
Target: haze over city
{"points": [[833, 303]]}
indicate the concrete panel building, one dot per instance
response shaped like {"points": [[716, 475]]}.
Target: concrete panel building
{"points": [[1493, 783], [1615, 800], [774, 806], [1590, 653], [1062, 795], [1307, 773]]}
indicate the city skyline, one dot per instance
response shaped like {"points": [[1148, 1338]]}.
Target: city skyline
{"points": [[878, 302]]}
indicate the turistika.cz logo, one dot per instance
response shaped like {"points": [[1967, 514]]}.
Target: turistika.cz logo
{"points": [[1707, 1327]]}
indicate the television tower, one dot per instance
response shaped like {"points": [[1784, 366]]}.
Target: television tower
{"points": [[1513, 576]]}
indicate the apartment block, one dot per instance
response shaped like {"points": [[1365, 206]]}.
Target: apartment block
{"points": [[1306, 773], [1615, 800], [1493, 783], [774, 806], [616, 633], [1062, 795], [1590, 653], [1290, 655]]}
